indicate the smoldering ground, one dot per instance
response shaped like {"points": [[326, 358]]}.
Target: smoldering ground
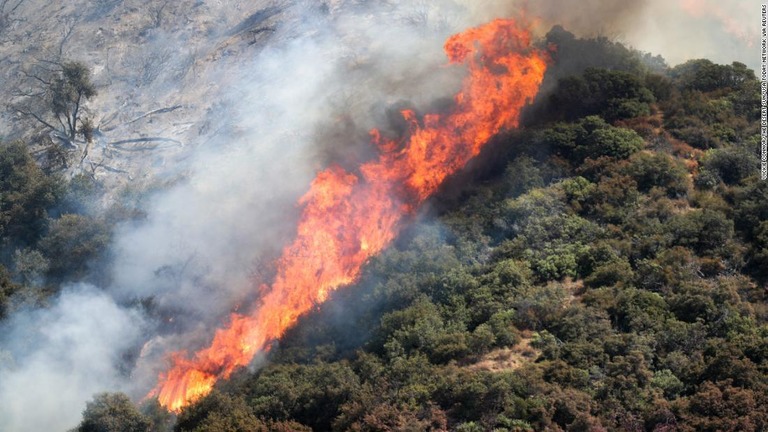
{"points": [[283, 111]]}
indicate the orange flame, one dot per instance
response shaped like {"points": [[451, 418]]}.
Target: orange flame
{"points": [[349, 217]]}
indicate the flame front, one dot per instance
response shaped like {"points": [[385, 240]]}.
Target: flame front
{"points": [[347, 218]]}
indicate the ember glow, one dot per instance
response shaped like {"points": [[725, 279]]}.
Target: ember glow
{"points": [[349, 217]]}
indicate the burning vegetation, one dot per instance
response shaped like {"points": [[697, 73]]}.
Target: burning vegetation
{"points": [[349, 217], [552, 233]]}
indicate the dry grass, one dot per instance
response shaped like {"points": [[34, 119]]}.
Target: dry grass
{"points": [[508, 359]]}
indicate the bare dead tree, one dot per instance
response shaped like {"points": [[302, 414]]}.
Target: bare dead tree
{"points": [[67, 30]]}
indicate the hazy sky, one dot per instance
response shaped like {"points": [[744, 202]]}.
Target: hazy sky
{"points": [[721, 30]]}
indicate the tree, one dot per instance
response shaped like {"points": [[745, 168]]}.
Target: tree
{"points": [[66, 88], [609, 141], [658, 170], [30, 266], [612, 94], [703, 75], [522, 175], [591, 137], [721, 406], [72, 242], [759, 251], [112, 412], [420, 327], [26, 195], [705, 231], [574, 55], [731, 165], [751, 207], [309, 394], [69, 91], [222, 412], [7, 290]]}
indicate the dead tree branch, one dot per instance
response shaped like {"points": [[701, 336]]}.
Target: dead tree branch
{"points": [[148, 139], [147, 114]]}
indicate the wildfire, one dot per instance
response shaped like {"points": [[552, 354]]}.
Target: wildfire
{"points": [[347, 217]]}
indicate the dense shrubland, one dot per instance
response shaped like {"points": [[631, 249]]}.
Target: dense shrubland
{"points": [[602, 268], [611, 277]]}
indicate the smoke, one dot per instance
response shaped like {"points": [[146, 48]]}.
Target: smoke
{"points": [[274, 114], [306, 100], [53, 360], [679, 30], [685, 29], [208, 238]]}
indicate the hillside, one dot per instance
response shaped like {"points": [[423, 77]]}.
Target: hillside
{"points": [[600, 267], [161, 70], [609, 276]]}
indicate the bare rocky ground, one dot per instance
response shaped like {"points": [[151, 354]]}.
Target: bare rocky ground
{"points": [[159, 67]]}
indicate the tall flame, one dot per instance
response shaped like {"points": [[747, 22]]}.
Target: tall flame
{"points": [[348, 217]]}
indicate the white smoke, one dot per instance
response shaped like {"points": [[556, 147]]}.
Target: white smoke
{"points": [[681, 30], [275, 115], [55, 359], [678, 30], [208, 241]]}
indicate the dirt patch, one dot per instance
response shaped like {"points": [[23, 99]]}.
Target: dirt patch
{"points": [[508, 359]]}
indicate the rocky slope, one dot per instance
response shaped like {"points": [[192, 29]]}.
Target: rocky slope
{"points": [[159, 68]]}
